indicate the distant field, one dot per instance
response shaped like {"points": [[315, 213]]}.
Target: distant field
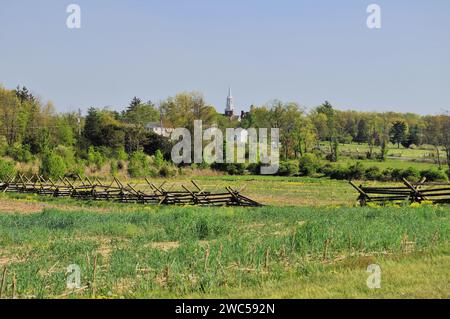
{"points": [[393, 151], [391, 163], [397, 157], [227, 252]]}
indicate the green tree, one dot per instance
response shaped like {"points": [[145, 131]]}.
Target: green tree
{"points": [[414, 136], [398, 133], [362, 131], [332, 129], [159, 159], [92, 127], [141, 114], [53, 166]]}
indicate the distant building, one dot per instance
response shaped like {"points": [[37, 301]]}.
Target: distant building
{"points": [[229, 109], [159, 129]]}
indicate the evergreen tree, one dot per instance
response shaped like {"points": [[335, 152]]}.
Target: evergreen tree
{"points": [[398, 133]]}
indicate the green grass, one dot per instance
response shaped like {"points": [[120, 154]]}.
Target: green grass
{"points": [[192, 252], [269, 190], [390, 163], [396, 157], [393, 151]]}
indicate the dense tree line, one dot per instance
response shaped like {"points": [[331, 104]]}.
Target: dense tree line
{"points": [[32, 129]]}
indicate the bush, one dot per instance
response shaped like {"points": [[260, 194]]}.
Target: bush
{"points": [[139, 165], [67, 153], [386, 175], [53, 166], [254, 168], [159, 159], [20, 153], [120, 154], [235, 169], [114, 167], [356, 171], [7, 169], [167, 171], [373, 173], [448, 173], [327, 169], [339, 172], [308, 164], [76, 170], [288, 168], [434, 175], [411, 174], [95, 157]]}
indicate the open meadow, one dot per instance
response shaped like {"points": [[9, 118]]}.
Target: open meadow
{"points": [[310, 241]]}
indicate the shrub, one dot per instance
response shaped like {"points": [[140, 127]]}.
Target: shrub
{"points": [[120, 154], [254, 168], [356, 171], [139, 165], [327, 169], [77, 170], [95, 157], [339, 172], [167, 171], [204, 165], [7, 169], [434, 175], [114, 167], [386, 175], [411, 174], [20, 153], [288, 168], [308, 164], [373, 173], [53, 166], [448, 173], [235, 169], [67, 153], [159, 159]]}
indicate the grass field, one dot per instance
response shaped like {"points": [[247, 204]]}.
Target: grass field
{"points": [[396, 157], [157, 252], [269, 190], [310, 241], [393, 151]]}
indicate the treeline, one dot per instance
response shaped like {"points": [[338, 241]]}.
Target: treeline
{"points": [[110, 142], [302, 132]]}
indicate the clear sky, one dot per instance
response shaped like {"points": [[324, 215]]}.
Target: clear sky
{"points": [[293, 50]]}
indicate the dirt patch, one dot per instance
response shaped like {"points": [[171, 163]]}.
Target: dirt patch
{"points": [[15, 206], [105, 250], [165, 246], [6, 261], [12, 206]]}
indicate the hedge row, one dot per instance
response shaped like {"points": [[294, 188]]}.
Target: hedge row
{"points": [[374, 173]]}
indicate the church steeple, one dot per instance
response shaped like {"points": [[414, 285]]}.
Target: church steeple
{"points": [[229, 110]]}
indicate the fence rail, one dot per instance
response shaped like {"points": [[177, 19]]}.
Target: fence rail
{"points": [[437, 193], [86, 189]]}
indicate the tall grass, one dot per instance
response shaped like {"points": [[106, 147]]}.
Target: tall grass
{"points": [[178, 251]]}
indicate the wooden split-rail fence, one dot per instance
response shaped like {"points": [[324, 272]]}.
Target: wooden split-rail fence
{"points": [[86, 189], [437, 193]]}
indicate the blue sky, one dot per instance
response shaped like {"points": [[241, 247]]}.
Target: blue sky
{"points": [[304, 51]]}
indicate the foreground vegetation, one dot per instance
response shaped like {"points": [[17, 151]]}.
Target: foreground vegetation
{"points": [[226, 252]]}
